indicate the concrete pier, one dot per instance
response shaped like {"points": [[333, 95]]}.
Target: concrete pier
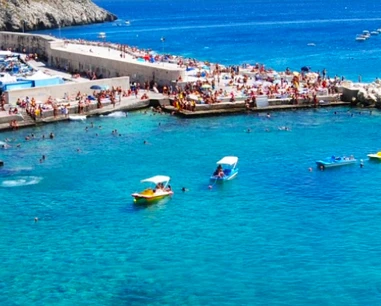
{"points": [[222, 108], [102, 58]]}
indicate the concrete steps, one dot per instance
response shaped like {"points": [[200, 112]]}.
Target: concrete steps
{"points": [[28, 120]]}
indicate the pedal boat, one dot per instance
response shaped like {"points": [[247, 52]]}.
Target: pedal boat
{"points": [[158, 190], [333, 161], [226, 169], [375, 155]]}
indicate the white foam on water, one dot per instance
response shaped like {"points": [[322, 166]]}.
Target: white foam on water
{"points": [[22, 169], [117, 115], [21, 181]]}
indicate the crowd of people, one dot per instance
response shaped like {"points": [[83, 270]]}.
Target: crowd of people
{"points": [[246, 83]]}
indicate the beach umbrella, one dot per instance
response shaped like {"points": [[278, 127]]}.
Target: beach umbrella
{"points": [[205, 86], [99, 87], [257, 83]]}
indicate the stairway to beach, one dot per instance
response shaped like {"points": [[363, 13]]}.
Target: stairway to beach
{"points": [[28, 120]]}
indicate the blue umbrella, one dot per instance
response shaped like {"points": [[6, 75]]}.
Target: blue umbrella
{"points": [[99, 87]]}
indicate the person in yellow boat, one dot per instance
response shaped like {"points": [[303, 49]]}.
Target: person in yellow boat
{"points": [[159, 186]]}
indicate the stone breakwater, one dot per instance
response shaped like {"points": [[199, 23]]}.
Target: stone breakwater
{"points": [[27, 15]]}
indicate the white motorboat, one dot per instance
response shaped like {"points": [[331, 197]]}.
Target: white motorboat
{"points": [[366, 33], [102, 35], [360, 37]]}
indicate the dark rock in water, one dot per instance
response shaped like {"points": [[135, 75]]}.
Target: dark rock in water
{"points": [[26, 15], [1, 163]]}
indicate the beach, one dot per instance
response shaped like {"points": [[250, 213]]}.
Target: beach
{"points": [[201, 87]]}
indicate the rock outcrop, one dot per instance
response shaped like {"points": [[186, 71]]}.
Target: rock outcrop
{"points": [[27, 15]]}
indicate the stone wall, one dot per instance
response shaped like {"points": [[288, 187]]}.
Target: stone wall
{"points": [[350, 94], [7, 119], [27, 43], [53, 50], [58, 91]]}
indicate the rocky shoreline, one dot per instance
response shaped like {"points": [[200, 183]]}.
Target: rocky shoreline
{"points": [[28, 15]]}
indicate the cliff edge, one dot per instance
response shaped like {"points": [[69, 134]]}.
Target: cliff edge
{"points": [[27, 15]]}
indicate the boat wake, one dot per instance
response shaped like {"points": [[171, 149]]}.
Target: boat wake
{"points": [[6, 171], [21, 181], [255, 23]]}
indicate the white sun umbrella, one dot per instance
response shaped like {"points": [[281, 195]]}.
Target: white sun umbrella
{"points": [[258, 83], [267, 84]]}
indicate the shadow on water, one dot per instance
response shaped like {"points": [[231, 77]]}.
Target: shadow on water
{"points": [[221, 185], [374, 161], [137, 291], [151, 205]]}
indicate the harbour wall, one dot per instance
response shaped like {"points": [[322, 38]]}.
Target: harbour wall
{"points": [[52, 50], [59, 91]]}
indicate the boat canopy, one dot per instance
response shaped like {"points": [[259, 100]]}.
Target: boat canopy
{"points": [[228, 160], [157, 179]]}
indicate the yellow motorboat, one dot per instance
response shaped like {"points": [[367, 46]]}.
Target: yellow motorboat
{"points": [[160, 189], [375, 155]]}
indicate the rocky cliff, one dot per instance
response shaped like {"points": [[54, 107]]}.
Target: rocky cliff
{"points": [[26, 15]]}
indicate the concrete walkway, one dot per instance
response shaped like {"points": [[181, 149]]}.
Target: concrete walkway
{"points": [[37, 65], [112, 53], [130, 103]]}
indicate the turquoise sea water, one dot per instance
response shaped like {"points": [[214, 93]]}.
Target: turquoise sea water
{"points": [[276, 235]]}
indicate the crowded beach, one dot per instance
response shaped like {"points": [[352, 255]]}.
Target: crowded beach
{"points": [[203, 89]]}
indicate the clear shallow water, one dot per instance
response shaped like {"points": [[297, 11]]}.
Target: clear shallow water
{"points": [[277, 234], [276, 33]]}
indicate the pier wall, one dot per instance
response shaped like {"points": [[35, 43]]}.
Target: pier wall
{"points": [[53, 51], [58, 91], [350, 94]]}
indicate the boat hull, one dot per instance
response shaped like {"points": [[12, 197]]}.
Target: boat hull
{"points": [[374, 156], [146, 198], [335, 163], [224, 178]]}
